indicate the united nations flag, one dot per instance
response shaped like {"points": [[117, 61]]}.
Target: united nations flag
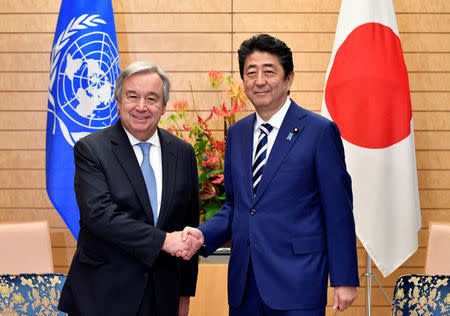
{"points": [[84, 66]]}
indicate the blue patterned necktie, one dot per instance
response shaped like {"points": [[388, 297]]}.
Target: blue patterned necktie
{"points": [[150, 180], [260, 155]]}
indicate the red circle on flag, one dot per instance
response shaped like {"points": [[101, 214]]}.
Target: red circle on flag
{"points": [[367, 91]]}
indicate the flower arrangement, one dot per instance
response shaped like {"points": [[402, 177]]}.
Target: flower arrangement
{"points": [[209, 150]]}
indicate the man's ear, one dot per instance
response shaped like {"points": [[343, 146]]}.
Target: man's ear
{"points": [[289, 80]]}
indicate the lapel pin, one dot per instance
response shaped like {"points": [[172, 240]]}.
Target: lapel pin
{"points": [[294, 131], [289, 137]]}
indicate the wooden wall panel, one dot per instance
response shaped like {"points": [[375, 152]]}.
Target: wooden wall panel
{"points": [[174, 22], [323, 42], [22, 159], [189, 38], [165, 6], [173, 61], [162, 6], [178, 42], [26, 42], [298, 42], [430, 101], [439, 160], [28, 23], [332, 6], [316, 22], [33, 214]]}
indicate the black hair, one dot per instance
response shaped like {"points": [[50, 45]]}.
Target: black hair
{"points": [[269, 44]]}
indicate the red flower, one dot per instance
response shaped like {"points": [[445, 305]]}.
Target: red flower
{"points": [[209, 151], [218, 180], [237, 93], [211, 160], [203, 121], [215, 78], [218, 145], [180, 106], [224, 112]]}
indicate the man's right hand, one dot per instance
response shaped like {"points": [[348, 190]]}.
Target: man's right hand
{"points": [[194, 238], [174, 245]]}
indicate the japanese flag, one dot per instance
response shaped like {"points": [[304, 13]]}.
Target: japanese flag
{"points": [[367, 95]]}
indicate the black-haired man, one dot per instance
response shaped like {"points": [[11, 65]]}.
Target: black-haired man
{"points": [[288, 207]]}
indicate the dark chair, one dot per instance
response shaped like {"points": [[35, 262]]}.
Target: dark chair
{"points": [[30, 294], [422, 295]]}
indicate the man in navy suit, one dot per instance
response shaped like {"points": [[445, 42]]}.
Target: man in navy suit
{"points": [[136, 185], [288, 208]]}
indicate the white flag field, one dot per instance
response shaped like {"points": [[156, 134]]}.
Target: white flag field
{"points": [[367, 95]]}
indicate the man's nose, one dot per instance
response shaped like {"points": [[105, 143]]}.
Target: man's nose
{"points": [[141, 105], [260, 79]]}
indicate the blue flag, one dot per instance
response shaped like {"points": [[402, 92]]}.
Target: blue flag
{"points": [[84, 66]]}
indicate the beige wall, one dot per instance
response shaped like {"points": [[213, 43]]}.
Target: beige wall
{"points": [[189, 38]]}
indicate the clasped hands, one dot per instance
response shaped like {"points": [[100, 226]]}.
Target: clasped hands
{"points": [[184, 243]]}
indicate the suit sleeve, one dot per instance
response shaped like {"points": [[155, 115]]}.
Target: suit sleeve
{"points": [[217, 230], [103, 218], [189, 269], [335, 190]]}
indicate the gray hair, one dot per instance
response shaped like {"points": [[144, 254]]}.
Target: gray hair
{"points": [[141, 67]]}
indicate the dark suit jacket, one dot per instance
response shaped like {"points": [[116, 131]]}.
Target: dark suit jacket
{"points": [[119, 249], [299, 227]]}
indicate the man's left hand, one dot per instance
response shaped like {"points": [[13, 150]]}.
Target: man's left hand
{"points": [[344, 296], [183, 309]]}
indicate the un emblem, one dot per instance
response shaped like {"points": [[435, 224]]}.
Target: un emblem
{"points": [[85, 66]]}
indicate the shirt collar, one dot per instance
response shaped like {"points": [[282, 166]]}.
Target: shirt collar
{"points": [[154, 140], [277, 119]]}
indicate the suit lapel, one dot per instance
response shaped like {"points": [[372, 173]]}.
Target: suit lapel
{"points": [[286, 138], [247, 155], [169, 163], [124, 153]]}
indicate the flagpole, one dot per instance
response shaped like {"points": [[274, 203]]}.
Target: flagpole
{"points": [[369, 276]]}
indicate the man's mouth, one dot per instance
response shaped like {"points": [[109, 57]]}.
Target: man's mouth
{"points": [[141, 117]]}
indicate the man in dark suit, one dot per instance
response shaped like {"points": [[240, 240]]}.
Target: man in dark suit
{"points": [[136, 185], [288, 208]]}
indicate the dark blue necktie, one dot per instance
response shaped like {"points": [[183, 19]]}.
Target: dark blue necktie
{"points": [[150, 180], [260, 155]]}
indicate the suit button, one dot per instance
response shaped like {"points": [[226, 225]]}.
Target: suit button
{"points": [[252, 212], [248, 241]]}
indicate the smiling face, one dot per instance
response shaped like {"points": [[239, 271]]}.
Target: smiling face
{"points": [[265, 84], [141, 104]]}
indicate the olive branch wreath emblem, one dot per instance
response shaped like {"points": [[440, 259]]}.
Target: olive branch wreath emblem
{"points": [[82, 22]]}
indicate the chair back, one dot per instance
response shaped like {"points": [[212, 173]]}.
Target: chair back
{"points": [[438, 252], [426, 295], [31, 294], [25, 248]]}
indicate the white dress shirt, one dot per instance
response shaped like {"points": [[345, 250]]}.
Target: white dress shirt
{"points": [[276, 120], [155, 159]]}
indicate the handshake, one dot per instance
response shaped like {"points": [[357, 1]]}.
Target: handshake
{"points": [[184, 243]]}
